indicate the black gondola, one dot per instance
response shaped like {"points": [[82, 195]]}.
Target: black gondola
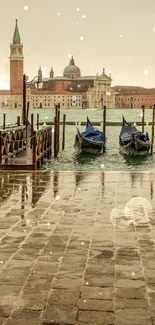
{"points": [[132, 141], [89, 141]]}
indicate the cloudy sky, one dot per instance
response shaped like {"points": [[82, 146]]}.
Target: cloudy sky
{"points": [[118, 35]]}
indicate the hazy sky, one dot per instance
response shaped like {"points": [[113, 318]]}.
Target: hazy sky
{"points": [[119, 35]]}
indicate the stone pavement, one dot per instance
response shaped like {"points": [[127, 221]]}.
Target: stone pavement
{"points": [[77, 248]]}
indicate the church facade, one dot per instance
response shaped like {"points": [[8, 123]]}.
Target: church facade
{"points": [[71, 90]]}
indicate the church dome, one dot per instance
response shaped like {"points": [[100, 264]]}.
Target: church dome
{"points": [[72, 71]]}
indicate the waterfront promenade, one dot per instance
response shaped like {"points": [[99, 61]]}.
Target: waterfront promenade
{"points": [[77, 248]]}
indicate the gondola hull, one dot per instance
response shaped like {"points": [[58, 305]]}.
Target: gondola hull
{"points": [[84, 145], [133, 142], [131, 151]]}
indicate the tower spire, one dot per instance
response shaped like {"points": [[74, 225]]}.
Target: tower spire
{"points": [[16, 36], [72, 61]]}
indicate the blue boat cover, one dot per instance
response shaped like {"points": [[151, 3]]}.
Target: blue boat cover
{"points": [[93, 133]]}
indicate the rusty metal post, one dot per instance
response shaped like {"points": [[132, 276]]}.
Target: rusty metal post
{"points": [[4, 121], [104, 128], [37, 121], [152, 139], [34, 142], [18, 120], [143, 117], [63, 132]]}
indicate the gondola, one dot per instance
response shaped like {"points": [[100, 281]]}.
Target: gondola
{"points": [[89, 141], [133, 142]]}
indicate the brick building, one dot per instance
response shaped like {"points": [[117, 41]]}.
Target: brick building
{"points": [[134, 97]]}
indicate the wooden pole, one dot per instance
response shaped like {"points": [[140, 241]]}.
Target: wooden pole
{"points": [[24, 100], [37, 121], [1, 147], [58, 128], [143, 117], [152, 140], [34, 142], [18, 120], [27, 113], [55, 140], [4, 121], [63, 132], [104, 128], [32, 129]]}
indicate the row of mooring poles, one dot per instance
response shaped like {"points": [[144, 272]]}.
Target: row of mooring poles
{"points": [[57, 131]]}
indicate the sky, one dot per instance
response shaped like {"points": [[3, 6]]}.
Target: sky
{"points": [[118, 35]]}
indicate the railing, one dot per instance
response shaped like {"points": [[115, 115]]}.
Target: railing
{"points": [[41, 145], [12, 142]]}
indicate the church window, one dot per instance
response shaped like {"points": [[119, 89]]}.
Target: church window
{"points": [[13, 50]]}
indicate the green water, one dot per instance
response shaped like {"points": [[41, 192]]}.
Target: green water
{"points": [[111, 160]]}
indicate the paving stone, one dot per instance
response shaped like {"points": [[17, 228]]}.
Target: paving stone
{"points": [[31, 301], [67, 281], [99, 280], [131, 303], [64, 297], [99, 270], [127, 283], [96, 317], [133, 316], [24, 317], [97, 293], [45, 267], [92, 304], [59, 314], [131, 293]]}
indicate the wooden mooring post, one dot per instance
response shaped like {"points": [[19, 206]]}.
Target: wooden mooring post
{"points": [[152, 139], [63, 131], [143, 117], [24, 100], [104, 128], [32, 128], [55, 147], [56, 130], [4, 121], [37, 121], [18, 120]]}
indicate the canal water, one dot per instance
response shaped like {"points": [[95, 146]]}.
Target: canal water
{"points": [[112, 160]]}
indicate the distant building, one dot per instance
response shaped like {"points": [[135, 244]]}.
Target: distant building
{"points": [[72, 90], [134, 97]]}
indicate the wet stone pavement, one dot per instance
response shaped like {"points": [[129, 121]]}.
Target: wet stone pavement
{"points": [[77, 248]]}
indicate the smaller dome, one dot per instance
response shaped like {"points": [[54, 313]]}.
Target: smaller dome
{"points": [[72, 69]]}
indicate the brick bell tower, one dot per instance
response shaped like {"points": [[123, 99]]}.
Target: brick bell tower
{"points": [[16, 63]]}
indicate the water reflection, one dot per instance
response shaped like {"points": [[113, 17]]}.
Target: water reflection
{"points": [[8, 186], [151, 190], [135, 161], [85, 158], [79, 178], [24, 197], [40, 181], [56, 184]]}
